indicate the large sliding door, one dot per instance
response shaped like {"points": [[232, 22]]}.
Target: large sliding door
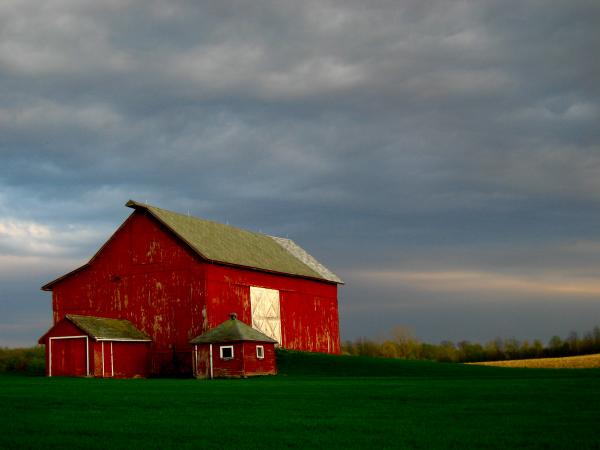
{"points": [[266, 317]]}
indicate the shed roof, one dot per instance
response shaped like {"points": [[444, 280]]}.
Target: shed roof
{"points": [[104, 329], [227, 244], [231, 330]]}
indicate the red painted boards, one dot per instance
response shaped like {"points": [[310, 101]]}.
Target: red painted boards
{"points": [[147, 275]]}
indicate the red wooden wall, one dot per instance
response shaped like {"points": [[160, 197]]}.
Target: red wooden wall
{"points": [[255, 366], [244, 362], [128, 359], [66, 357], [146, 275], [309, 309], [67, 350], [143, 274]]}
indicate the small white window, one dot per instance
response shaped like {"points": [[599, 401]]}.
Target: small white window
{"points": [[260, 352], [226, 351]]}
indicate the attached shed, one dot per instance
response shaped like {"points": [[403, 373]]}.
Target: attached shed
{"points": [[232, 350], [82, 346]]}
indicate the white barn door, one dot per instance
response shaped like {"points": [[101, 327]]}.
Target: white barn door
{"points": [[265, 311]]}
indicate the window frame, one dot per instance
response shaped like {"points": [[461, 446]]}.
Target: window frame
{"points": [[262, 352], [221, 348]]}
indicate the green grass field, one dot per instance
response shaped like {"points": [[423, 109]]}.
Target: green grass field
{"points": [[316, 402]]}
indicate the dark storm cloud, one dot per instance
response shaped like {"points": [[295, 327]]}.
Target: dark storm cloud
{"points": [[398, 137]]}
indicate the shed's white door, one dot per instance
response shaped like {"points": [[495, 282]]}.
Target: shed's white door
{"points": [[265, 311]]}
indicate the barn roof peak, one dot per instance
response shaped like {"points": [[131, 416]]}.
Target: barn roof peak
{"points": [[227, 244]]}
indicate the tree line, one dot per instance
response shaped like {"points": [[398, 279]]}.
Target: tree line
{"points": [[30, 361], [401, 343]]}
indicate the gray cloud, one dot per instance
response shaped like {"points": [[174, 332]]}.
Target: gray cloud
{"points": [[412, 136]]}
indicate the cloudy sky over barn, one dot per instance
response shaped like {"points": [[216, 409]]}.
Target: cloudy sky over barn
{"points": [[443, 157]]}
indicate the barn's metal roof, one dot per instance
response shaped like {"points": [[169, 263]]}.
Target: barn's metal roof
{"points": [[231, 245], [102, 328], [231, 330], [301, 254]]}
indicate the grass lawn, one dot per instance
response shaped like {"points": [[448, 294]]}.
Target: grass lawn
{"points": [[317, 402]]}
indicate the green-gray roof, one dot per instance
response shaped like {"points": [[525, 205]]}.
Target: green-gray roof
{"points": [[232, 330], [104, 329], [227, 244]]}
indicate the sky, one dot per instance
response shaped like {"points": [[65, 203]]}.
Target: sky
{"points": [[442, 157]]}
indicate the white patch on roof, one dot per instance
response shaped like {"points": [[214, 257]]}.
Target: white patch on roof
{"points": [[301, 254]]}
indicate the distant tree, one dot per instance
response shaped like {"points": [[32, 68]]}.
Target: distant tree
{"points": [[407, 345], [447, 352], [389, 349], [525, 350], [596, 337], [347, 348], [365, 347], [538, 349], [468, 351], [512, 348], [555, 346], [494, 350], [574, 343], [430, 352], [29, 360]]}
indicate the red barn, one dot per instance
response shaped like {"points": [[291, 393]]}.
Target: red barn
{"points": [[175, 277], [233, 349]]}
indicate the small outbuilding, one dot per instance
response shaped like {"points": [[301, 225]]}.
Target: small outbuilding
{"points": [[80, 346], [233, 350]]}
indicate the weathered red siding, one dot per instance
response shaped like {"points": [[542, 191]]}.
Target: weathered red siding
{"points": [[66, 347], [309, 314], [68, 358], [244, 362], [118, 359], [201, 359], [255, 366], [228, 367], [221, 368], [130, 359], [146, 275], [143, 274], [65, 357]]}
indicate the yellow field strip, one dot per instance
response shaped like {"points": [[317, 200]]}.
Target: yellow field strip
{"points": [[567, 362]]}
